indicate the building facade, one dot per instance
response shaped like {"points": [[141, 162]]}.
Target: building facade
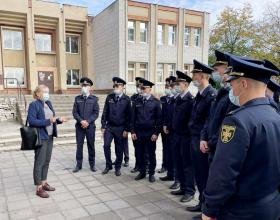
{"points": [[138, 39], [48, 43], [42, 43]]}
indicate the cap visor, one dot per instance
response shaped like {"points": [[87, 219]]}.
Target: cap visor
{"points": [[231, 78]]}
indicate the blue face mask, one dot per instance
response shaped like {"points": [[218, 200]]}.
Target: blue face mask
{"points": [[234, 99], [217, 77], [178, 89], [46, 97], [196, 83]]}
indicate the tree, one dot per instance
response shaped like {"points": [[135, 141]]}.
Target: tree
{"points": [[267, 41], [234, 32]]}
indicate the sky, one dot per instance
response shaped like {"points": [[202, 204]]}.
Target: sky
{"points": [[214, 7]]}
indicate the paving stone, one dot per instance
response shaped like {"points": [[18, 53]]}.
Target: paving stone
{"points": [[97, 208], [128, 213], [76, 213], [107, 196], [148, 209], [117, 204], [56, 216]]}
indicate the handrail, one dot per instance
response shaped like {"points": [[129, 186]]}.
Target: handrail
{"points": [[21, 96]]}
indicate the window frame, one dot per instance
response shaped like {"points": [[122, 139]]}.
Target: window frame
{"points": [[172, 33], [162, 34], [134, 30], [146, 30], [188, 34], [162, 75], [131, 69], [197, 35], [15, 29], [79, 43], [52, 43], [6, 84], [146, 69], [173, 70], [79, 76]]}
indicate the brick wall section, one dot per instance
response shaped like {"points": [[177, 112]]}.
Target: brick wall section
{"points": [[8, 110]]}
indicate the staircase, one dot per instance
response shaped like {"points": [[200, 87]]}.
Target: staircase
{"points": [[63, 104]]}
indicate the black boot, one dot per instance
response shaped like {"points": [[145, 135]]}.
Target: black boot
{"points": [[152, 178], [196, 208], [166, 178], [134, 170], [175, 185], [77, 169], [93, 168], [178, 192], [186, 198], [106, 170], [118, 172], [140, 176]]}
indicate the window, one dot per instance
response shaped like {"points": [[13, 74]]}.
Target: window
{"points": [[187, 36], [160, 34], [171, 69], [72, 44], [171, 34], [143, 70], [186, 68], [160, 72], [12, 39], [131, 72], [197, 37], [131, 31], [43, 42], [13, 72], [143, 32], [73, 77]]}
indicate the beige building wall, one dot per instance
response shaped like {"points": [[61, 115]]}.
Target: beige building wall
{"points": [[32, 17]]}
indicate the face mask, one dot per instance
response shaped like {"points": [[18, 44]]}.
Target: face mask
{"points": [[196, 83], [118, 92], [234, 99], [138, 90], [46, 97], [178, 89], [145, 95], [217, 77], [173, 91], [85, 91], [167, 92]]}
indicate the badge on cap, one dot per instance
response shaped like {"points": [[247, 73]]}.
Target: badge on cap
{"points": [[227, 133]]}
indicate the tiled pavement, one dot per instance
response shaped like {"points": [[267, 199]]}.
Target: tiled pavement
{"points": [[84, 195]]}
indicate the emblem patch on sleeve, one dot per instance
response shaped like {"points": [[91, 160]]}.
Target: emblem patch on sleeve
{"points": [[227, 133]]}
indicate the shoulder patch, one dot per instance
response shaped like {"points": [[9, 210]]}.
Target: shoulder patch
{"points": [[227, 133]]}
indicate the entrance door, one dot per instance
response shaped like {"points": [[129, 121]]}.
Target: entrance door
{"points": [[46, 78]]}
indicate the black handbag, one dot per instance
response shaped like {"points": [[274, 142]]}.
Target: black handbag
{"points": [[30, 137]]}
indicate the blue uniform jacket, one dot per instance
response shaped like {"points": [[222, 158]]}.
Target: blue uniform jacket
{"points": [[36, 118], [146, 116], [167, 104], [117, 113], [220, 107], [246, 165], [201, 109], [182, 113], [86, 109]]}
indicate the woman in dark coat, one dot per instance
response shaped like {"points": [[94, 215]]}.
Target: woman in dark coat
{"points": [[41, 115]]}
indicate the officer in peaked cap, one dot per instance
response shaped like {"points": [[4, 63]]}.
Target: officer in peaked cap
{"points": [[115, 123], [85, 112], [248, 134], [145, 127], [200, 112], [182, 112], [133, 98]]}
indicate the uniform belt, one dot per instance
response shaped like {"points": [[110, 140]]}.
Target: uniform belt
{"points": [[244, 203]]}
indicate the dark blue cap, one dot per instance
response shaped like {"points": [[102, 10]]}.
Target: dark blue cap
{"points": [[248, 59], [243, 68], [221, 58], [137, 79], [146, 83], [182, 77], [86, 81], [172, 79], [201, 68], [270, 65], [273, 85], [118, 81]]}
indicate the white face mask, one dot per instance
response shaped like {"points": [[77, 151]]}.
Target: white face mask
{"points": [[196, 83], [46, 96], [167, 92], [138, 90], [118, 91], [145, 95], [85, 91], [178, 89]]}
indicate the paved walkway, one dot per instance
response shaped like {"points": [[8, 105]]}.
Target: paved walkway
{"points": [[84, 195]]}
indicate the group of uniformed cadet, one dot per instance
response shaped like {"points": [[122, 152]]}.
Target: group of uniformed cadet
{"points": [[223, 142]]}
